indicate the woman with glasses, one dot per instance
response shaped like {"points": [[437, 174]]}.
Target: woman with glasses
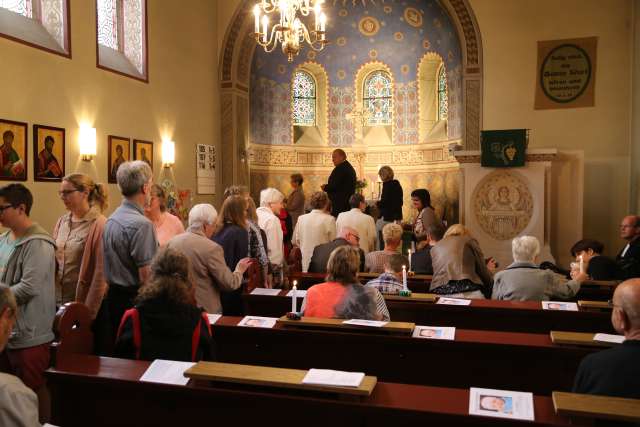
{"points": [[78, 236]]}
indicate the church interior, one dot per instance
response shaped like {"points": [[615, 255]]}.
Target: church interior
{"points": [[521, 119]]}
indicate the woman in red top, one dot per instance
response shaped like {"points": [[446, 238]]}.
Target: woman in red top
{"points": [[342, 296]]}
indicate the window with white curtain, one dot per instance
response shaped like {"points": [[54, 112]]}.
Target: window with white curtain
{"points": [[121, 35], [39, 23]]}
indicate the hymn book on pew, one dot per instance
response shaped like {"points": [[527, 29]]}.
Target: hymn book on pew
{"points": [[300, 293], [265, 291], [435, 332], [213, 318], [333, 378], [617, 339], [167, 372], [559, 305], [258, 322], [501, 403], [453, 301], [362, 322]]}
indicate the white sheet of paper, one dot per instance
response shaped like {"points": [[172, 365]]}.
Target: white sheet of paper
{"points": [[331, 377], [453, 301], [265, 291], [213, 318], [435, 332], [167, 372], [362, 322], [618, 339], [258, 322], [300, 293], [559, 305], [501, 403]]}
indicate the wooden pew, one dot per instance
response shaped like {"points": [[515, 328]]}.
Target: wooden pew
{"points": [[94, 391], [503, 360], [416, 283], [597, 290], [515, 316], [598, 407], [72, 330]]}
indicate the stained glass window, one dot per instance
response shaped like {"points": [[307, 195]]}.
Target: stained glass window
{"points": [[377, 98], [22, 7], [443, 100], [133, 23], [304, 99], [108, 23]]}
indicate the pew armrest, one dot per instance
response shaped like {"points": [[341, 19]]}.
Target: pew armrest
{"points": [[271, 377], [590, 406], [400, 328], [577, 338]]}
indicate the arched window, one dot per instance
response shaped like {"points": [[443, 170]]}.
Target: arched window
{"points": [[40, 23], [443, 99], [304, 99], [377, 99], [122, 36]]}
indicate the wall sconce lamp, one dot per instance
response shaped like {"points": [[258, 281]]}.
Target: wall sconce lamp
{"points": [[87, 140], [168, 153]]}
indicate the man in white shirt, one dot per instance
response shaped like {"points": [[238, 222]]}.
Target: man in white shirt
{"points": [[358, 220], [270, 206], [629, 257], [315, 228], [18, 403]]}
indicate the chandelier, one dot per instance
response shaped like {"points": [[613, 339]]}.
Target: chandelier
{"points": [[289, 31]]}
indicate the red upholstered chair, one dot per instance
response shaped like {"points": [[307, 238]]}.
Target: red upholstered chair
{"points": [[72, 329]]}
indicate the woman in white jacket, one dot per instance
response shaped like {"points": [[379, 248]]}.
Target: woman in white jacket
{"points": [[270, 206]]}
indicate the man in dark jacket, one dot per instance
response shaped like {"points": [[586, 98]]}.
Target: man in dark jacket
{"points": [[616, 372], [629, 257], [321, 253], [341, 184]]}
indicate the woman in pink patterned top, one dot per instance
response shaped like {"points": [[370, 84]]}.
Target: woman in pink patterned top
{"points": [[166, 224]]}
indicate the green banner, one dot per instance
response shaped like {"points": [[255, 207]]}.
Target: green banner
{"points": [[503, 148]]}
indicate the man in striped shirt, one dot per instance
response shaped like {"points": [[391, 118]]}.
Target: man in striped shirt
{"points": [[390, 282]]}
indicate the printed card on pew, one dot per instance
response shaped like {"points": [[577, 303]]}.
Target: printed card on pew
{"points": [[167, 372], [265, 291], [213, 318], [258, 322], [559, 305], [435, 332], [300, 293], [362, 322], [617, 339], [334, 378], [501, 403], [453, 301]]}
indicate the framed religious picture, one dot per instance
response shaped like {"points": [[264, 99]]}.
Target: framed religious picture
{"points": [[119, 152], [13, 151], [48, 153], [143, 150]]}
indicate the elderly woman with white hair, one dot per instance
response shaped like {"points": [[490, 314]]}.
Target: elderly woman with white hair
{"points": [[270, 206], [207, 267], [523, 280]]}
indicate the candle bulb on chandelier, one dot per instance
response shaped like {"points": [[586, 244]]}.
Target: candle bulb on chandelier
{"points": [[256, 14], [265, 24], [317, 11], [323, 21]]}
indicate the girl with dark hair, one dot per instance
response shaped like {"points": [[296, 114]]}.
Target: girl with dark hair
{"points": [[165, 323], [426, 213]]}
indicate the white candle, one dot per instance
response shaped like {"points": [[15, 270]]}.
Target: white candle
{"points": [[256, 15], [294, 296], [317, 11], [581, 264], [409, 256], [265, 24], [404, 277], [323, 22]]}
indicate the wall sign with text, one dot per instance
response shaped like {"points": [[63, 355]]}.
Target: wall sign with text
{"points": [[566, 73]]}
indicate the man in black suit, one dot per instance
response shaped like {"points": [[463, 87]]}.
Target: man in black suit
{"points": [[629, 257], [421, 259], [341, 184], [616, 372], [321, 253]]}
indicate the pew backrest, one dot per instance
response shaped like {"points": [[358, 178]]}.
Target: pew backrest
{"points": [[599, 407], [72, 330]]}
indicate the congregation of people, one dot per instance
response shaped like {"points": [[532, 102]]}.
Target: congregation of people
{"points": [[148, 282]]}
